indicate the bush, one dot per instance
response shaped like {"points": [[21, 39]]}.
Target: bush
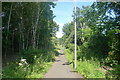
{"points": [[115, 73], [31, 53], [33, 64], [35, 70], [90, 69]]}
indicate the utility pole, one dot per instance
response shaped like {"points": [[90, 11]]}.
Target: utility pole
{"points": [[75, 54]]}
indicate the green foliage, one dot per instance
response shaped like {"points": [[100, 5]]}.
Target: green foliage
{"points": [[25, 69], [98, 36], [32, 71], [88, 68], [31, 54], [114, 44], [69, 55], [28, 29], [115, 73], [83, 52], [102, 41], [28, 25], [67, 28]]}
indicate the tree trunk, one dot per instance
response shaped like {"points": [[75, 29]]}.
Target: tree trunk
{"points": [[7, 36], [35, 28]]}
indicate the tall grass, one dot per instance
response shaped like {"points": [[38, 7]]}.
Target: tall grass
{"points": [[87, 68], [32, 64], [90, 69]]}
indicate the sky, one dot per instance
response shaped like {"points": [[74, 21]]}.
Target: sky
{"points": [[63, 12]]}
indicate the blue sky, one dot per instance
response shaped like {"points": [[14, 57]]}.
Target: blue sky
{"points": [[63, 12]]}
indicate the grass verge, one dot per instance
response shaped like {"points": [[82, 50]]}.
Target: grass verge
{"points": [[87, 68], [32, 66]]}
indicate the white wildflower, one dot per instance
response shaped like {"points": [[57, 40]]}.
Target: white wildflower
{"points": [[20, 64], [23, 60]]}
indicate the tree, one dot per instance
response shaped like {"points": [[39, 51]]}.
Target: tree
{"points": [[27, 25]]}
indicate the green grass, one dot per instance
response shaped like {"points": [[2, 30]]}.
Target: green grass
{"points": [[69, 56], [24, 69], [39, 71], [87, 68], [36, 70], [90, 69]]}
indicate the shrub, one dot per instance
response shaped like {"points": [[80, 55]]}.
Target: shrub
{"points": [[31, 53], [33, 64], [90, 69], [115, 73]]}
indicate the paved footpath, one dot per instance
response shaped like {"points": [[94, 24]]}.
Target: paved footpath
{"points": [[61, 69]]}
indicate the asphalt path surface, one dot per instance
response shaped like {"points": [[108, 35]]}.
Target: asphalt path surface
{"points": [[61, 69]]}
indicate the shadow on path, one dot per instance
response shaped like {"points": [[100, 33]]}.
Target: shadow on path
{"points": [[61, 69]]}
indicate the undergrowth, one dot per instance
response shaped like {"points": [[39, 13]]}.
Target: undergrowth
{"points": [[87, 68], [32, 64]]}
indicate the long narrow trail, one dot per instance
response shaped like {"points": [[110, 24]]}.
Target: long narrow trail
{"points": [[61, 69]]}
